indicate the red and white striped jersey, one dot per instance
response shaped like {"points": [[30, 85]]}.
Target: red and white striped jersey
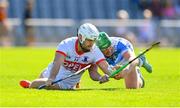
{"points": [[74, 61]]}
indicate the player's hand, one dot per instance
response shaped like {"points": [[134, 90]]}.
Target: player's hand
{"points": [[104, 79], [113, 68], [118, 76], [117, 66], [49, 82]]}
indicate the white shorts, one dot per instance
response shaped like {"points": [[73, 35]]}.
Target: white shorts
{"points": [[68, 83]]}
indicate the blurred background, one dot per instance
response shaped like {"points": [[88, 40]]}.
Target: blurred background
{"points": [[47, 22]]}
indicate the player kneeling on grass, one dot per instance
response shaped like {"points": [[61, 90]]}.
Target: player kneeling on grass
{"points": [[119, 51], [73, 54]]}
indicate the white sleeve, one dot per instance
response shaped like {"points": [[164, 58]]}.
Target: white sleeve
{"points": [[62, 48], [98, 56]]}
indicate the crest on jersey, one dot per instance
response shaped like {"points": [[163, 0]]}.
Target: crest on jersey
{"points": [[68, 57], [76, 58], [85, 59]]}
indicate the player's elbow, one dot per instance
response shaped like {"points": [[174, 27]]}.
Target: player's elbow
{"points": [[94, 78]]}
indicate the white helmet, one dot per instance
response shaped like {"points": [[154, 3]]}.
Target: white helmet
{"points": [[88, 31]]}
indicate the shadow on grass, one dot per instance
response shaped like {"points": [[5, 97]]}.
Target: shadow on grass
{"points": [[91, 89], [105, 89]]}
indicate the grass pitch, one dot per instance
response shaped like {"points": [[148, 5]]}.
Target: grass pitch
{"points": [[162, 86]]}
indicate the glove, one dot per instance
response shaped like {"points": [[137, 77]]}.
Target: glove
{"points": [[104, 79]]}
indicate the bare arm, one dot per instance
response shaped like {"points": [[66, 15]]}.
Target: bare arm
{"points": [[58, 61], [93, 72], [104, 66], [107, 69], [128, 56]]}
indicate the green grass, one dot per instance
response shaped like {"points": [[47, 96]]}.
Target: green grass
{"points": [[162, 86]]}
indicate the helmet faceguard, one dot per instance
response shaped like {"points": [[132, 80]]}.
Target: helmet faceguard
{"points": [[103, 41]]}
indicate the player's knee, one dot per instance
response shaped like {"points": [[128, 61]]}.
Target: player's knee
{"points": [[132, 87], [131, 69]]}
